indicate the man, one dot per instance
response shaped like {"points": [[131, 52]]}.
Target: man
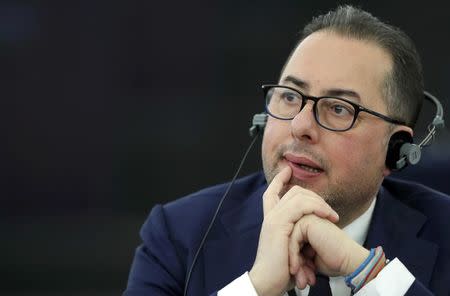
{"points": [[324, 208]]}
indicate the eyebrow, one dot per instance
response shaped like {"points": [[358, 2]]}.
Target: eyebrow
{"points": [[332, 92]]}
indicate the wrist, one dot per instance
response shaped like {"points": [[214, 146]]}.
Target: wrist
{"points": [[358, 257], [367, 271], [262, 284], [257, 283]]}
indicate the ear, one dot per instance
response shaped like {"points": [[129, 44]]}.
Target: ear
{"points": [[397, 137]]}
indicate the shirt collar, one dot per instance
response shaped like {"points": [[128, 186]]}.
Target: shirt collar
{"points": [[357, 230]]}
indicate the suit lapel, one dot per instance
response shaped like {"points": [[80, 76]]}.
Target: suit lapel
{"points": [[396, 227], [231, 251]]}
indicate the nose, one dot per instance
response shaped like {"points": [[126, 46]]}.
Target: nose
{"points": [[304, 126]]}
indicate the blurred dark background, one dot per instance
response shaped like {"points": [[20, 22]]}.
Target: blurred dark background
{"points": [[109, 107]]}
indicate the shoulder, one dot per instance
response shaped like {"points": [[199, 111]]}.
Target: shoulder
{"points": [[418, 196], [191, 214], [209, 197], [433, 204]]}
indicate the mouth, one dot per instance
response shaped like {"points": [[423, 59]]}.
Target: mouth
{"points": [[303, 168], [308, 168]]}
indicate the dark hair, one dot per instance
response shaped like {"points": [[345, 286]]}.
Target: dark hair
{"points": [[403, 86]]}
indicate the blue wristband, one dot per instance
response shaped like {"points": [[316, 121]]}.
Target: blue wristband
{"points": [[357, 279], [350, 277]]}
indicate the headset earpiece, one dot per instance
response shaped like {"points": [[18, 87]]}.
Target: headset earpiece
{"points": [[402, 151]]}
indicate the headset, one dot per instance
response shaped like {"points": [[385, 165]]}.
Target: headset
{"points": [[401, 152], [401, 148]]}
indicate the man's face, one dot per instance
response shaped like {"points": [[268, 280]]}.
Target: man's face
{"points": [[348, 167]]}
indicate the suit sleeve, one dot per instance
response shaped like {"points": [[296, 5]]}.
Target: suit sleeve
{"points": [[156, 268], [417, 289]]}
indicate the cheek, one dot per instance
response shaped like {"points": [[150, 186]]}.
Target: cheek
{"points": [[345, 155], [275, 133], [358, 154]]}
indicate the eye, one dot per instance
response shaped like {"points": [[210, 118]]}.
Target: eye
{"points": [[290, 97], [336, 108], [341, 110]]}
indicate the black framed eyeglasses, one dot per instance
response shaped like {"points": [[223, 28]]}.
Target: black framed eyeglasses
{"points": [[331, 113]]}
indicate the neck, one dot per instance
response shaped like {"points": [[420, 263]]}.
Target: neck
{"points": [[345, 220]]}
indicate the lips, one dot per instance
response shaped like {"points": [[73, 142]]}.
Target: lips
{"points": [[302, 167]]}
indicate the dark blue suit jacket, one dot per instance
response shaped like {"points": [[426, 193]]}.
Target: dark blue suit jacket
{"points": [[410, 221]]}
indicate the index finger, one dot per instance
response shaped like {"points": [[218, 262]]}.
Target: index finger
{"points": [[271, 196]]}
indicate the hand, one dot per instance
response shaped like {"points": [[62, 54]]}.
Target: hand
{"points": [[332, 252], [270, 273]]}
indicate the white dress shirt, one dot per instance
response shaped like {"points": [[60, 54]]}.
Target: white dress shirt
{"points": [[393, 280]]}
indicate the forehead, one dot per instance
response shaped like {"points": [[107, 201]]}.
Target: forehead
{"points": [[326, 60]]}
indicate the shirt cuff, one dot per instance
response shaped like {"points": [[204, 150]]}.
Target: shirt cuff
{"points": [[393, 280], [240, 286]]}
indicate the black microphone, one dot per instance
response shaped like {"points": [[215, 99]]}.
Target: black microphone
{"points": [[258, 123]]}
